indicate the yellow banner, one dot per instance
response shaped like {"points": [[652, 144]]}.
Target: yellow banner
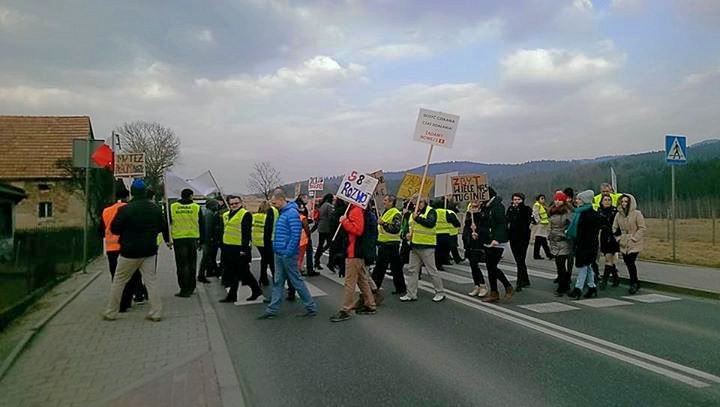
{"points": [[410, 186]]}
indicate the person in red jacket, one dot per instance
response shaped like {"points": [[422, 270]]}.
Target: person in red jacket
{"points": [[354, 225]]}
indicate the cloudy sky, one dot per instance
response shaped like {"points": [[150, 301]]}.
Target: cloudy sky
{"points": [[318, 87]]}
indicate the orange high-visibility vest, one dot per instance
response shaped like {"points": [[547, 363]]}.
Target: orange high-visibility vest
{"points": [[303, 236], [112, 242]]}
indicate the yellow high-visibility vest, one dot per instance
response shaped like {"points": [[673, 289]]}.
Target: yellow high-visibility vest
{"points": [[614, 197], [383, 235], [258, 229], [542, 212], [454, 231], [442, 226], [185, 223], [276, 215], [232, 228], [420, 234]]}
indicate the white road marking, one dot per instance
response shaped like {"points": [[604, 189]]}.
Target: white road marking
{"points": [[651, 298], [602, 302], [548, 307], [245, 292]]}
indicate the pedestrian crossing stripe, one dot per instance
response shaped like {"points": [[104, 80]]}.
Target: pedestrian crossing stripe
{"points": [[548, 307], [651, 298], [245, 292], [603, 302]]}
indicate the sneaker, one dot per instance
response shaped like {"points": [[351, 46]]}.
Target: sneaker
{"points": [[153, 319], [406, 298], [307, 314], [366, 311], [482, 290], [438, 297], [254, 297], [107, 318], [267, 315], [340, 316], [474, 292]]}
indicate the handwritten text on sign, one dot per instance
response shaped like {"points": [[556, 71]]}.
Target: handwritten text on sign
{"points": [[316, 184], [410, 186], [436, 128], [357, 188], [129, 165], [381, 190], [470, 188]]}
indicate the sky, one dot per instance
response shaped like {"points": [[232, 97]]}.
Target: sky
{"points": [[324, 87]]}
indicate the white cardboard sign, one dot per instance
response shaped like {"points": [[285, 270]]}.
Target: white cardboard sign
{"points": [[357, 188], [443, 183], [316, 184], [436, 128]]}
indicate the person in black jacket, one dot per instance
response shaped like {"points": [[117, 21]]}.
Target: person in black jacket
{"points": [[519, 219], [138, 224], [583, 231], [474, 249], [492, 231]]}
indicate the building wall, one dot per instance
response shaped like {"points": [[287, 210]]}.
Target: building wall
{"points": [[68, 208]]}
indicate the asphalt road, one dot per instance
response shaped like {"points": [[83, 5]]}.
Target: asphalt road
{"points": [[462, 352]]}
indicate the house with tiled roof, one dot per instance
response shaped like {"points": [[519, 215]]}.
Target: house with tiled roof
{"points": [[36, 156]]}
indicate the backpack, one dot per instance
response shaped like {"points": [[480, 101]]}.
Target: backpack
{"points": [[366, 244]]}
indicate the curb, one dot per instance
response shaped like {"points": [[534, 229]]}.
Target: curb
{"points": [[17, 350], [231, 393]]}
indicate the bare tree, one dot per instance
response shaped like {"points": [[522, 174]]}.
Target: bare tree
{"points": [[264, 179], [159, 143]]}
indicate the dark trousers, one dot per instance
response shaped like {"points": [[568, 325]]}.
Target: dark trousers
{"points": [[309, 256], [454, 249], [564, 275], [475, 257], [208, 263], [629, 260], [541, 241], [492, 258], [519, 251], [389, 254], [267, 260], [442, 250], [236, 270], [186, 264], [323, 244], [132, 287]]}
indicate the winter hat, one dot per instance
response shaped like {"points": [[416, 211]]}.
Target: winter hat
{"points": [[586, 196], [138, 187], [560, 196]]}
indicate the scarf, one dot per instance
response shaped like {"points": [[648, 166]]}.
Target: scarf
{"points": [[572, 229]]}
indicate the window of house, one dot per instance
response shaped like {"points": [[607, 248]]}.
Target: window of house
{"points": [[5, 220], [45, 210], [44, 187]]}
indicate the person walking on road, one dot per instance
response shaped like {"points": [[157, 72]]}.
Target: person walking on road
{"points": [[138, 224], [609, 247], [353, 225], [236, 255], [287, 249], [212, 223], [258, 240], [474, 249], [423, 241], [325, 232], [583, 232], [541, 228], [187, 230], [388, 243], [492, 231], [519, 220], [560, 246], [629, 229]]}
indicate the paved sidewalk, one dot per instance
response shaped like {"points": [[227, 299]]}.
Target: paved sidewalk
{"points": [[77, 359]]}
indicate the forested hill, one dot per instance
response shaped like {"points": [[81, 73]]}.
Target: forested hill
{"points": [[645, 175]]}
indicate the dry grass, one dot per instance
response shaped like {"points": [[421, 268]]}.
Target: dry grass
{"points": [[694, 242]]}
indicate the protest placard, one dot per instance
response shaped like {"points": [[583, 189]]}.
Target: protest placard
{"points": [[472, 187], [316, 184], [436, 128], [443, 184], [381, 190], [129, 165], [410, 186], [357, 188]]}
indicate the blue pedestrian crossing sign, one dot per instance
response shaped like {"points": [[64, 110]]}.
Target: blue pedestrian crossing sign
{"points": [[675, 149]]}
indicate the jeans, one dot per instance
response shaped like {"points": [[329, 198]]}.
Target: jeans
{"points": [[585, 273], [286, 269]]}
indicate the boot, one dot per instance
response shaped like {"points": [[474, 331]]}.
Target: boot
{"points": [[576, 293], [493, 297], [634, 287], [482, 290], [605, 277], [508, 292], [615, 277], [475, 291], [518, 287], [591, 292]]}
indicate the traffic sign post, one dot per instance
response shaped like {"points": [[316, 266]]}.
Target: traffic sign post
{"points": [[675, 154]]}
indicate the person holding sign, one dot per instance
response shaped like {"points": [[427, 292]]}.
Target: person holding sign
{"points": [[423, 240]]}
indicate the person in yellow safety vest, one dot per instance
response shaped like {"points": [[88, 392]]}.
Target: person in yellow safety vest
{"points": [[187, 231], [423, 240], [259, 229], [606, 190], [388, 243], [541, 228], [447, 223], [236, 255], [454, 232], [112, 247]]}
